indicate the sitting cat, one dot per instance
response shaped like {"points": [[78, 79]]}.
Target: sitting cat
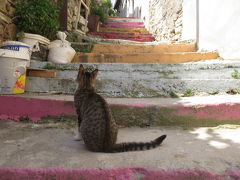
{"points": [[95, 121]]}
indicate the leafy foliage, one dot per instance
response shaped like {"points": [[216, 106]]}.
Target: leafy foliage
{"points": [[235, 74], [49, 66], [103, 9], [38, 17], [173, 95], [188, 93]]}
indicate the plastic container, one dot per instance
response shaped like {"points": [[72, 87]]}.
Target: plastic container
{"points": [[33, 41], [38, 44], [14, 59]]}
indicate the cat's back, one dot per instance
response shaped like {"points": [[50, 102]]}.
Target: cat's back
{"points": [[90, 101]]}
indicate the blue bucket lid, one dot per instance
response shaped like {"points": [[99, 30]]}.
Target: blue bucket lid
{"points": [[12, 44]]}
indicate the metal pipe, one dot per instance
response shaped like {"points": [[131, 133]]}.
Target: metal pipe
{"points": [[197, 24]]}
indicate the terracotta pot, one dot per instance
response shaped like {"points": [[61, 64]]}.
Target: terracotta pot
{"points": [[93, 23]]}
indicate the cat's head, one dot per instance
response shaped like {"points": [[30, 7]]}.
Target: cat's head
{"points": [[85, 78]]}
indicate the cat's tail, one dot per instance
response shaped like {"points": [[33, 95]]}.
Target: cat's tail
{"points": [[137, 146]]}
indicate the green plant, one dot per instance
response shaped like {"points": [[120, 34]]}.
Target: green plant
{"points": [[73, 37], [214, 93], [235, 74], [24, 119], [49, 66], [38, 17], [232, 91], [103, 9], [85, 50], [99, 11], [79, 49], [20, 34], [112, 12], [173, 95], [188, 93]]}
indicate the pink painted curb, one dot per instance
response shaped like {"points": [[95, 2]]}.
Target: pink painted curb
{"points": [[15, 107], [127, 173]]}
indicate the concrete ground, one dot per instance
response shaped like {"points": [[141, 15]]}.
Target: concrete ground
{"points": [[52, 145]]}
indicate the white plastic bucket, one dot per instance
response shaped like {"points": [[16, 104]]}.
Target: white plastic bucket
{"points": [[33, 41], [14, 58], [15, 49]]}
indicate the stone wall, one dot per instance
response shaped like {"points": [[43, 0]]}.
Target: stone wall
{"points": [[165, 19], [7, 29], [72, 15]]}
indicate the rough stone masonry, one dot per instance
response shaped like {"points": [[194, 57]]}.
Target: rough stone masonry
{"points": [[165, 21]]}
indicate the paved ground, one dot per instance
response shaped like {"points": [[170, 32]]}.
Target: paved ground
{"points": [[52, 145]]}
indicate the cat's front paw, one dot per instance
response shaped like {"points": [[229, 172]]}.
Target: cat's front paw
{"points": [[78, 137]]}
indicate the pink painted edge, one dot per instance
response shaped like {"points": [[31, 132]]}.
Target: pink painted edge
{"points": [[36, 108], [122, 173]]}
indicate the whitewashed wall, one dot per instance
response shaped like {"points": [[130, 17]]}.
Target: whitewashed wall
{"points": [[134, 8], [161, 18], [219, 25]]}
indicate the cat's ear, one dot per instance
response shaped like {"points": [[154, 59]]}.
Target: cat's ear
{"points": [[94, 73], [80, 72], [81, 68]]}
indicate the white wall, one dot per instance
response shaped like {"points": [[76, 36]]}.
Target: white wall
{"points": [[219, 25], [136, 9], [113, 2]]}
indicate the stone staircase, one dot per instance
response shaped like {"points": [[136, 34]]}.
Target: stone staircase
{"points": [[141, 69], [124, 28], [143, 53], [144, 79]]}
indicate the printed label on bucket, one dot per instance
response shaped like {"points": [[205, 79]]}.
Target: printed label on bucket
{"points": [[19, 87], [20, 75]]}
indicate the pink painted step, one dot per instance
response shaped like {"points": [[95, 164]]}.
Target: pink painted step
{"points": [[126, 36], [123, 25], [122, 173]]}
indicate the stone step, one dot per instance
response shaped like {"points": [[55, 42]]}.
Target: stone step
{"points": [[123, 19], [127, 36], [209, 69], [123, 87], [144, 80], [141, 48], [126, 25], [187, 112], [123, 30], [144, 57]]}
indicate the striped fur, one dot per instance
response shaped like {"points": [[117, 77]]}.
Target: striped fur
{"points": [[137, 146], [95, 121]]}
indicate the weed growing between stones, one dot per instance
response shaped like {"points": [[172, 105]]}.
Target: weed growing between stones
{"points": [[235, 74], [173, 95], [232, 92], [188, 93], [62, 122], [49, 66], [214, 93]]}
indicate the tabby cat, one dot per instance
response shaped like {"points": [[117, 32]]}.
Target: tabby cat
{"points": [[95, 121]]}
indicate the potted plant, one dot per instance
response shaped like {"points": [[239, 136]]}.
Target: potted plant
{"points": [[99, 13], [39, 20]]}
